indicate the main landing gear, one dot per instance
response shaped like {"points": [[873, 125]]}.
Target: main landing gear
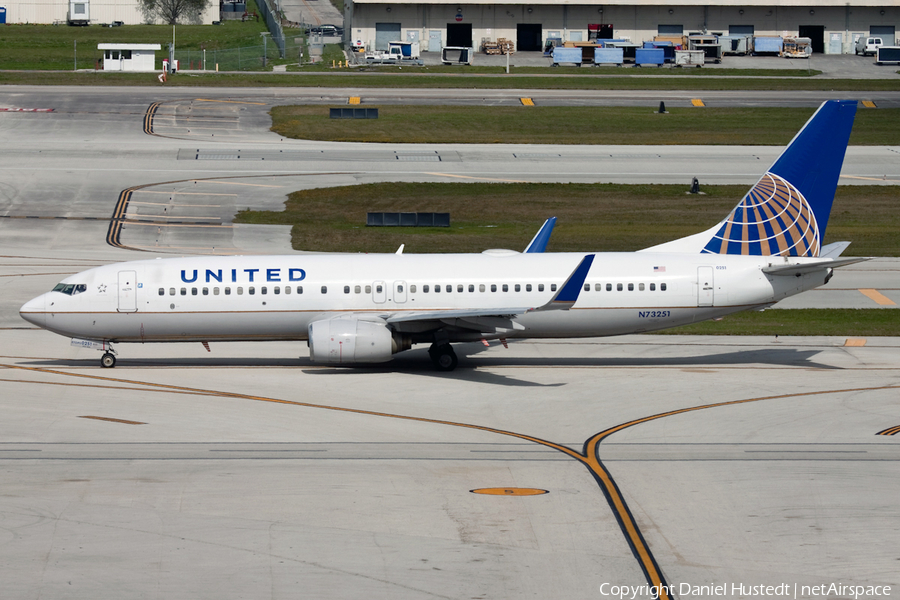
{"points": [[443, 357]]}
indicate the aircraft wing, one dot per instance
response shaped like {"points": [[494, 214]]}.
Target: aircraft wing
{"points": [[483, 319]]}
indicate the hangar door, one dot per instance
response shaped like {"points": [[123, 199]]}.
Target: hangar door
{"points": [[528, 37], [459, 34], [886, 32], [386, 33], [816, 35]]}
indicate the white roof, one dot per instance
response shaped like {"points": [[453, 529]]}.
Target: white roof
{"points": [[129, 47]]}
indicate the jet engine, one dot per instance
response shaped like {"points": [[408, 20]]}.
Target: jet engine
{"points": [[350, 340]]}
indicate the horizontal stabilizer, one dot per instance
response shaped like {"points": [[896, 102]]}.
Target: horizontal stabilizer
{"points": [[812, 266]]}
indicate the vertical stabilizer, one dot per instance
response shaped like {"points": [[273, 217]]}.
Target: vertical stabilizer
{"points": [[786, 212]]}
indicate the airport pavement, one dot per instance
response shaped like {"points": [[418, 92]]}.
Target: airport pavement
{"points": [[247, 471]]}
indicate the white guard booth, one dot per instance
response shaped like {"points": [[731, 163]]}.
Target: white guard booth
{"points": [[129, 57]]}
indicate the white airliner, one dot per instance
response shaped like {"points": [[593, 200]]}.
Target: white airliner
{"points": [[364, 308]]}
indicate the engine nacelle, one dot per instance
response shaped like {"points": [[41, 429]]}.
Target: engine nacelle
{"points": [[349, 340]]}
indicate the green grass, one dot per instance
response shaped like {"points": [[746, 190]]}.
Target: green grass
{"points": [[573, 125], [808, 321], [44, 47], [416, 79], [592, 217]]}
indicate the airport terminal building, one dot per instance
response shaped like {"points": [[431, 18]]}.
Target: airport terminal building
{"points": [[832, 25]]}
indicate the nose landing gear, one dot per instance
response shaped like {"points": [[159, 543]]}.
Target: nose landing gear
{"points": [[108, 360]]}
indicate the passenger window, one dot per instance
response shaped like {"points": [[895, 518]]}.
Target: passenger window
{"points": [[618, 287], [346, 289], [480, 287], [540, 287], [215, 291], [493, 287], [206, 291], [263, 290], [228, 291], [448, 288], [505, 287], [287, 289], [368, 289], [171, 291], [299, 289], [193, 291], [587, 287], [460, 288], [598, 287], [251, 290], [662, 287], [325, 289], [378, 289], [630, 287], [412, 288], [527, 287], [184, 291], [518, 288], [608, 287], [437, 289], [652, 287], [358, 290], [399, 289], [552, 287], [425, 289], [276, 289], [162, 291], [640, 287], [240, 291], [471, 288]]}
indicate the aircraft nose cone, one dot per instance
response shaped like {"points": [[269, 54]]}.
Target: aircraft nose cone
{"points": [[34, 311]]}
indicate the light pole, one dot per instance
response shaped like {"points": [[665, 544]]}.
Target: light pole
{"points": [[265, 54]]}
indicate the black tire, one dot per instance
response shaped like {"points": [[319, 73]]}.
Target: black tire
{"points": [[108, 361], [443, 357]]}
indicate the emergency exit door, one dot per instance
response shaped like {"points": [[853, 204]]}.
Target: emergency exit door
{"points": [[705, 287], [127, 291]]}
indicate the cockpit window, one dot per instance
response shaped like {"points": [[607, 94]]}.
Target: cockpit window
{"points": [[70, 288]]}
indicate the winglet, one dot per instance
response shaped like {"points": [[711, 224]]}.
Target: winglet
{"points": [[567, 295], [542, 237]]}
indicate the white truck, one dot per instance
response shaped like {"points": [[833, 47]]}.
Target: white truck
{"points": [[396, 53], [866, 45]]}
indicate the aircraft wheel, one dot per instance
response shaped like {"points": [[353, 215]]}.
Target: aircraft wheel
{"points": [[108, 361], [443, 357]]}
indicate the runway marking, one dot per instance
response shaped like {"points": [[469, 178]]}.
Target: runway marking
{"points": [[510, 491], [354, 100], [868, 104], [877, 296], [589, 457], [855, 342], [697, 102], [890, 430], [148, 118], [478, 178], [112, 420], [229, 101], [164, 224], [216, 180], [526, 101], [870, 178]]}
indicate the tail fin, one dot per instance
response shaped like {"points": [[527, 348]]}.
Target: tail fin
{"points": [[786, 212]]}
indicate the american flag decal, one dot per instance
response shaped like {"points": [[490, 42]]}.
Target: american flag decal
{"points": [[659, 269]]}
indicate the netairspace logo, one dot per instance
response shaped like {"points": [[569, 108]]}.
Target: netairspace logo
{"points": [[743, 590]]}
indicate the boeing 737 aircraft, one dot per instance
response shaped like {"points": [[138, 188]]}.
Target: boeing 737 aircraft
{"points": [[365, 308]]}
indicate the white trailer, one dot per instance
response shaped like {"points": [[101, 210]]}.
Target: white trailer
{"points": [[79, 12]]}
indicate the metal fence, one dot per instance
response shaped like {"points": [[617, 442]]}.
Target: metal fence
{"points": [[273, 22], [249, 58]]}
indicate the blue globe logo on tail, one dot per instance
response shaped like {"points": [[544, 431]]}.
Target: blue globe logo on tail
{"points": [[773, 219]]}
